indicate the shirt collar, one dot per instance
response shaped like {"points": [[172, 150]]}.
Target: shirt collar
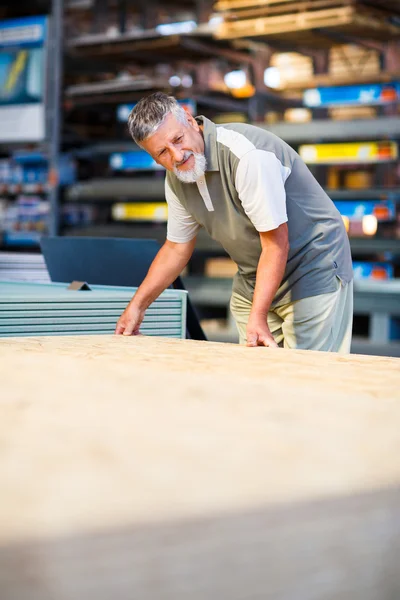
{"points": [[210, 142]]}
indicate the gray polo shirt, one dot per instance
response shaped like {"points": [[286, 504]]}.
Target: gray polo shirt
{"points": [[255, 182]]}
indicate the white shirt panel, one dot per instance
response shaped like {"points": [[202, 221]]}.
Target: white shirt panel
{"points": [[181, 226], [260, 184], [237, 143]]}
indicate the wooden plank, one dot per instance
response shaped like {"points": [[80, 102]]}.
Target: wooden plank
{"points": [[223, 5], [148, 468]]}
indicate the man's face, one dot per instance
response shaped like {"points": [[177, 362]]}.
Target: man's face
{"points": [[178, 148]]}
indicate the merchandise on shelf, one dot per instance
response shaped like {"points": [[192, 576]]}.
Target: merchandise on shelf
{"points": [[297, 115], [140, 211], [30, 170], [23, 50], [373, 270], [357, 209], [75, 215], [133, 161], [323, 97], [26, 220], [352, 112], [349, 152], [355, 179]]}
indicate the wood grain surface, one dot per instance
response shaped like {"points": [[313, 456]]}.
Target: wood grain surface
{"points": [[153, 468]]}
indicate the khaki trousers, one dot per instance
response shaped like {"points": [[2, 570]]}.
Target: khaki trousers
{"points": [[321, 322]]}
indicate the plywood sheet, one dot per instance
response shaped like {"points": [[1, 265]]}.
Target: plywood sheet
{"points": [[152, 468]]}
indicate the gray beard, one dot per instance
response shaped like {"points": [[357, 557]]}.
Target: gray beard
{"points": [[194, 174]]}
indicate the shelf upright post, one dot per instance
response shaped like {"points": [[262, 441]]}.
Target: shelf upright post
{"points": [[54, 110], [390, 60], [258, 105]]}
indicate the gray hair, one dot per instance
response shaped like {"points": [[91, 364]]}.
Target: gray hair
{"points": [[150, 112]]}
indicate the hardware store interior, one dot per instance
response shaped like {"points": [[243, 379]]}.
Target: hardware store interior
{"points": [[183, 463]]}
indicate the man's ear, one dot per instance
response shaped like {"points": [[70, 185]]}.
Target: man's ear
{"points": [[191, 120]]}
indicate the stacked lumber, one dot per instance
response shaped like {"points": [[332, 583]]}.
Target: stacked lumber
{"points": [[295, 69], [300, 22], [347, 64]]}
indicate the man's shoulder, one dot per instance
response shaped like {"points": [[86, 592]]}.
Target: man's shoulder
{"points": [[241, 138], [249, 130]]}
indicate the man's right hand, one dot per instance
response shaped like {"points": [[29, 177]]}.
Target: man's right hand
{"points": [[165, 268], [130, 320]]}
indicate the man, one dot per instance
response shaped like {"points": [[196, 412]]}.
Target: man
{"points": [[254, 195]]}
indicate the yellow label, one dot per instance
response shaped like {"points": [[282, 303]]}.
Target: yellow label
{"points": [[140, 211], [349, 152]]}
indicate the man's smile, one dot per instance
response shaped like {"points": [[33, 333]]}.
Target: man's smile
{"points": [[184, 163]]}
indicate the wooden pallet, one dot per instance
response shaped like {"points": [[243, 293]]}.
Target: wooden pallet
{"points": [[270, 10], [304, 28], [240, 6]]}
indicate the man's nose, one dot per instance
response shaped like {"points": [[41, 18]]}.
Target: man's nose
{"points": [[177, 155]]}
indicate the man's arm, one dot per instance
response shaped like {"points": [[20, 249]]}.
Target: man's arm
{"points": [[270, 271], [165, 268], [260, 183]]}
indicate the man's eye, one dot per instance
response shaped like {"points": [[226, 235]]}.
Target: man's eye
{"points": [[179, 139], [162, 152]]}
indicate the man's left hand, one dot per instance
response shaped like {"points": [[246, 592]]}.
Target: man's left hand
{"points": [[258, 333]]}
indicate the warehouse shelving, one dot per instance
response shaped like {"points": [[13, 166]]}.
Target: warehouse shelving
{"points": [[113, 189], [370, 193], [321, 130], [367, 246], [309, 25], [88, 54], [50, 145], [27, 188]]}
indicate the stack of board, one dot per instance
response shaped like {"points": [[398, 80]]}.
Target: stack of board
{"points": [[138, 468], [15, 266], [301, 22], [53, 309]]}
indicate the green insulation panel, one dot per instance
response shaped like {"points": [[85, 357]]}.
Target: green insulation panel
{"points": [[32, 309]]}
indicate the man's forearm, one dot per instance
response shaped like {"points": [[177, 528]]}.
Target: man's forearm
{"points": [[165, 268], [270, 271]]}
